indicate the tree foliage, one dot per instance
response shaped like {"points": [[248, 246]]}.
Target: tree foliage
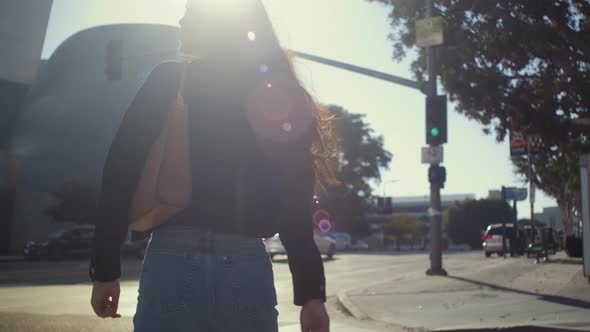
{"points": [[511, 63], [514, 65], [75, 203], [556, 173], [406, 229], [469, 218], [361, 156]]}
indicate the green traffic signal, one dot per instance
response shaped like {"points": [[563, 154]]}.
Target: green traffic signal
{"points": [[436, 120]]}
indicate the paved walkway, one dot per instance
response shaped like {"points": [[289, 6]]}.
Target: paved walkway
{"points": [[497, 293]]}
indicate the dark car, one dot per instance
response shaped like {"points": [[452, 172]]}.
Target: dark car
{"points": [[61, 244], [76, 242], [548, 245]]}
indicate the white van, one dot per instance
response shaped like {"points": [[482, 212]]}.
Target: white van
{"points": [[326, 245], [492, 239]]}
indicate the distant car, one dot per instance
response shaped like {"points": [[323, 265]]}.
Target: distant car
{"points": [[360, 245], [343, 240], [61, 244], [492, 239], [77, 241], [326, 246]]}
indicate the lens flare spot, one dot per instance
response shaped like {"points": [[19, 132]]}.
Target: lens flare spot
{"points": [[252, 36], [325, 225], [263, 68], [287, 126], [269, 85], [320, 215]]}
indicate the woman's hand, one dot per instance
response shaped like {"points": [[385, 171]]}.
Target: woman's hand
{"points": [[105, 298], [314, 317]]}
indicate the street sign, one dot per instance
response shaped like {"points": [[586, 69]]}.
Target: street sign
{"points": [[429, 32], [515, 194], [432, 155], [518, 144]]}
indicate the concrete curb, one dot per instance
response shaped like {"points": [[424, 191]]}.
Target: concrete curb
{"points": [[522, 328], [352, 308], [357, 313]]}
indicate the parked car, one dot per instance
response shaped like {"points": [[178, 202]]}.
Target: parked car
{"points": [[61, 244], [492, 239], [75, 242], [360, 245], [343, 240], [326, 245]]}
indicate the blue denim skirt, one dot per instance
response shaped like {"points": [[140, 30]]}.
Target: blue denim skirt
{"points": [[197, 280]]}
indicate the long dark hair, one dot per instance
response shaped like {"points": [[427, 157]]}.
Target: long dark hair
{"points": [[247, 43]]}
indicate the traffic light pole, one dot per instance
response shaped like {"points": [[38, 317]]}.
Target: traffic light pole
{"points": [[435, 186], [430, 89]]}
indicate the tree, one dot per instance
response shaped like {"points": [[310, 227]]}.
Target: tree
{"points": [[469, 218], [403, 229], [514, 65], [361, 156], [75, 202], [556, 173]]}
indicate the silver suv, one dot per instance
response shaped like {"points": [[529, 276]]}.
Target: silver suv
{"points": [[492, 240]]}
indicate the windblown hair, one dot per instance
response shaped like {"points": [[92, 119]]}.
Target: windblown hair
{"points": [[230, 33]]}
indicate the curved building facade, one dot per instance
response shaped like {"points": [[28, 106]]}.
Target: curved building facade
{"points": [[72, 112]]}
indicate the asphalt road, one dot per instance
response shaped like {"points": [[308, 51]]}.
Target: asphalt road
{"points": [[46, 293]]}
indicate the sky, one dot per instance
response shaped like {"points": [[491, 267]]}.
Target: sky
{"points": [[355, 32]]}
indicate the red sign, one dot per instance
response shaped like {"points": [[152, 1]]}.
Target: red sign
{"points": [[518, 144]]}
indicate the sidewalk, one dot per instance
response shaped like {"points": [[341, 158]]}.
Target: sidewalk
{"points": [[499, 293]]}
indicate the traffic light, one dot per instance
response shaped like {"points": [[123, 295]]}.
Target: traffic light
{"points": [[436, 120], [114, 60], [437, 174]]}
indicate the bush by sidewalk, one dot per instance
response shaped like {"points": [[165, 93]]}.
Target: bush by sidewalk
{"points": [[573, 246]]}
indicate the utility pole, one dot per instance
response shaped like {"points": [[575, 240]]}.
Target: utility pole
{"points": [[435, 204]]}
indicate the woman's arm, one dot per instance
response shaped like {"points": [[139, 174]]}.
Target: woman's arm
{"points": [[281, 115], [296, 232], [138, 130]]}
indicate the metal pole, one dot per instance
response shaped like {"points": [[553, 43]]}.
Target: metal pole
{"points": [[436, 211], [504, 238], [363, 71], [530, 193]]}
